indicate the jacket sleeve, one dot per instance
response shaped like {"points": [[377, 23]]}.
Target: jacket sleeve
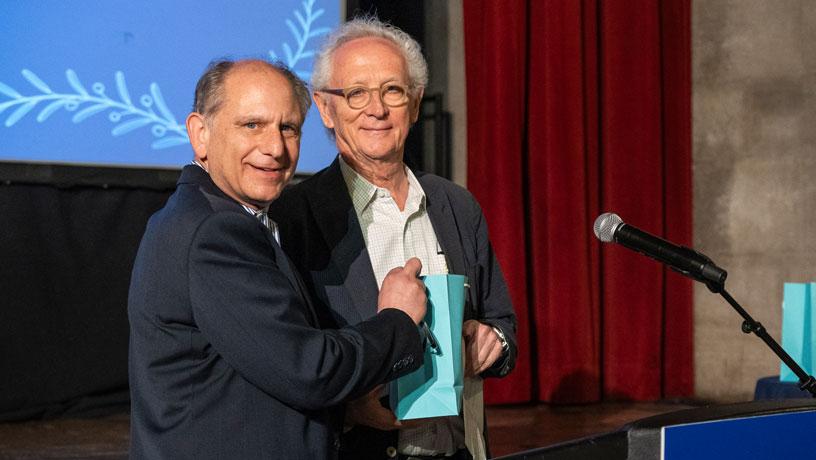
{"points": [[253, 317], [490, 294]]}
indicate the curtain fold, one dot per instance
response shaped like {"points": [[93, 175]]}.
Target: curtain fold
{"points": [[575, 108], [496, 32]]}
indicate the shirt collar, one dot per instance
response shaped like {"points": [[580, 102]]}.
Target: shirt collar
{"points": [[416, 196], [362, 191], [263, 217]]}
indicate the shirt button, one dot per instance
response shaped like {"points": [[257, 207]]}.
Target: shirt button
{"points": [[391, 452]]}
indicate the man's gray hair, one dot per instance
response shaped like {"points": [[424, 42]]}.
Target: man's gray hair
{"points": [[209, 92], [370, 26]]}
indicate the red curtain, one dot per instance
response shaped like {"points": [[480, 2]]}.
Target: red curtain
{"points": [[576, 107]]}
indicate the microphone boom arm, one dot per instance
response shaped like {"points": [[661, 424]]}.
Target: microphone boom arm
{"points": [[749, 325]]}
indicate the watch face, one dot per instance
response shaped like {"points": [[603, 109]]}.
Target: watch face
{"points": [[502, 338]]}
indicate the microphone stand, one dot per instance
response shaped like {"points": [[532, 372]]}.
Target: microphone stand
{"points": [[749, 325], [697, 266]]}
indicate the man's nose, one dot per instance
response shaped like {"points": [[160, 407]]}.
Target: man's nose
{"points": [[273, 144], [376, 107]]}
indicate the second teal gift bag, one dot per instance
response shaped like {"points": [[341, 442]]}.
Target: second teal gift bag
{"points": [[798, 328]]}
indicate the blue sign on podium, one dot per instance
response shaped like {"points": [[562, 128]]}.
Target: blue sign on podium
{"points": [[758, 430], [775, 436]]}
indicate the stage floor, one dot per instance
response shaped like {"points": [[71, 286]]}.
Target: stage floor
{"points": [[512, 429]]}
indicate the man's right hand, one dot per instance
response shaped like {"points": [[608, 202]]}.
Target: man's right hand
{"points": [[403, 290]]}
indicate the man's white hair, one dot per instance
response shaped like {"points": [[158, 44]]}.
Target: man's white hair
{"points": [[370, 26]]}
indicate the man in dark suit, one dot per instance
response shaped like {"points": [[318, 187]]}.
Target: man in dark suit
{"points": [[346, 224], [226, 358]]}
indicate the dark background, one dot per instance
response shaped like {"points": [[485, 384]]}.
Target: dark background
{"points": [[68, 238]]}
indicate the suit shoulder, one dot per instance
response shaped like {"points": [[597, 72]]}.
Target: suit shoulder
{"points": [[292, 193], [297, 192], [186, 210], [294, 198], [186, 205], [457, 194]]}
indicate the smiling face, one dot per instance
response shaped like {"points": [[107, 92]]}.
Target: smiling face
{"points": [[376, 132], [250, 145]]}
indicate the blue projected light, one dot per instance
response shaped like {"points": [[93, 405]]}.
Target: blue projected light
{"points": [[111, 82]]}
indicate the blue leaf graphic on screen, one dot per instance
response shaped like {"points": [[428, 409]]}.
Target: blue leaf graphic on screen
{"points": [[151, 110], [301, 32]]}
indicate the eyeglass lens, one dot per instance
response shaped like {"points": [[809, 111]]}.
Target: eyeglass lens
{"points": [[392, 95]]}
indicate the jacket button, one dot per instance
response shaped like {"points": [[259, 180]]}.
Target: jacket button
{"points": [[391, 452]]}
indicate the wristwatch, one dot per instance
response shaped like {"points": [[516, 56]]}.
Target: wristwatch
{"points": [[502, 339]]}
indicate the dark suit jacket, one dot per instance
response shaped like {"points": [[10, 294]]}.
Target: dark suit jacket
{"points": [[321, 234], [226, 360]]}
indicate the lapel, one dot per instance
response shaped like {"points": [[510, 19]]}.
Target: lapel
{"points": [[220, 201], [294, 278], [340, 229], [444, 224]]}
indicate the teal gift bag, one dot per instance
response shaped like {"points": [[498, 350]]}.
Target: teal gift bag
{"points": [[798, 328], [435, 389]]}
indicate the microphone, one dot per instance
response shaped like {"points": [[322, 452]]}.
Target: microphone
{"points": [[610, 228]]}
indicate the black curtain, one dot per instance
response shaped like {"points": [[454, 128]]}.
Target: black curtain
{"points": [[66, 255]]}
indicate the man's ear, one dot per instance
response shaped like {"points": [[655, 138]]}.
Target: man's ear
{"points": [[199, 134], [322, 103], [414, 105]]}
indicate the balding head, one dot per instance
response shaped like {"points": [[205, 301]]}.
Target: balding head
{"points": [[209, 92]]}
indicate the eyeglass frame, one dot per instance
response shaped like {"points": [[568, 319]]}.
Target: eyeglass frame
{"points": [[342, 92]]}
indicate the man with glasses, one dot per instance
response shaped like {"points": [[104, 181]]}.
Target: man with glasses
{"points": [[346, 225]]}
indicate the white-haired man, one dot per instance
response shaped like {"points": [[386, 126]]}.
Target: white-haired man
{"points": [[347, 224]]}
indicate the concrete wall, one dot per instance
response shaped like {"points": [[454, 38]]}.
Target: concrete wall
{"points": [[456, 102], [445, 51], [754, 122]]}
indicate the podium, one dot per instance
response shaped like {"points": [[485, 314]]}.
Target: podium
{"points": [[754, 430]]}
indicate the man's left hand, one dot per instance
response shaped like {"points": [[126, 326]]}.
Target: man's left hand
{"points": [[482, 347], [368, 411]]}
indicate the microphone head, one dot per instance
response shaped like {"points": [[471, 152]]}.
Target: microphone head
{"points": [[605, 226]]}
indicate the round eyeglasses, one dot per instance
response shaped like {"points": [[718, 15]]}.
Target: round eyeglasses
{"points": [[358, 97]]}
